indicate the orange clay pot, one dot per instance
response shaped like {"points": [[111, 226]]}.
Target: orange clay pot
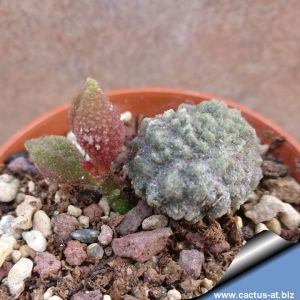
{"points": [[150, 102]]}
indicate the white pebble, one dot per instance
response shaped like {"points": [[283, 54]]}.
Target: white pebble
{"points": [[267, 208], [31, 186], [35, 240], [84, 221], [74, 211], [48, 293], [207, 283], [155, 222], [126, 116], [20, 198], [16, 255], [274, 225], [103, 203], [5, 250], [17, 274], [6, 225], [173, 295], [57, 197], [290, 217], [42, 223], [55, 298], [25, 211], [239, 222], [106, 297], [9, 186], [260, 227]]}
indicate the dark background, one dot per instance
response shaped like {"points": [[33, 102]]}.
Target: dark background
{"points": [[245, 50]]}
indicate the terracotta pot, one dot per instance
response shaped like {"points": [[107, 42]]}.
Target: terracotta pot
{"points": [[150, 102]]}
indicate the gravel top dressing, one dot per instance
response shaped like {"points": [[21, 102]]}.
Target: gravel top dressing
{"points": [[76, 241]]}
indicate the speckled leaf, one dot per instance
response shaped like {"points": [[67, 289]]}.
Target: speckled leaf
{"points": [[58, 160], [96, 123]]}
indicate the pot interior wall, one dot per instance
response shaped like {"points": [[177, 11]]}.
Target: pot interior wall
{"points": [[151, 102]]}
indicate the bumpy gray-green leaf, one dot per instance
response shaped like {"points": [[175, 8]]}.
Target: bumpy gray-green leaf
{"points": [[202, 160], [58, 160]]}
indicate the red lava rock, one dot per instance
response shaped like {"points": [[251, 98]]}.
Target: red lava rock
{"points": [[141, 246], [88, 295], [247, 232], [7, 265], [47, 265], [63, 225], [134, 218], [94, 212], [219, 247], [191, 261], [75, 253]]}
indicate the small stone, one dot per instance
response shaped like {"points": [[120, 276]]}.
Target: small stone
{"points": [[274, 225], [35, 240], [9, 186], [267, 208], [247, 232], [155, 222], [88, 295], [16, 255], [21, 165], [25, 211], [55, 298], [207, 283], [6, 248], [31, 186], [95, 250], [94, 212], [7, 265], [286, 189], [219, 247], [290, 217], [17, 274], [48, 293], [63, 225], [74, 211], [75, 253], [20, 198], [134, 218], [87, 236], [26, 251], [103, 203], [47, 265], [191, 261], [173, 295], [6, 225], [273, 169], [260, 227], [106, 297], [143, 245], [126, 116], [84, 221], [239, 222], [42, 223], [106, 235]]}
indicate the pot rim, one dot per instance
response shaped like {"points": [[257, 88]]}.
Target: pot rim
{"points": [[5, 148]]}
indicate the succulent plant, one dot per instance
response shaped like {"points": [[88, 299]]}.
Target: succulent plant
{"points": [[201, 160], [96, 124]]}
